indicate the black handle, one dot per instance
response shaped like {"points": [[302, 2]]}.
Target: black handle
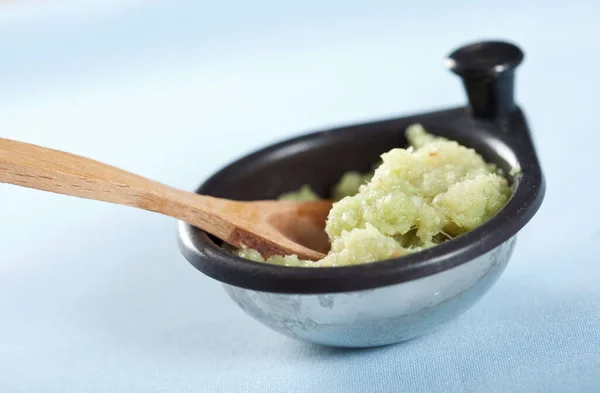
{"points": [[487, 70]]}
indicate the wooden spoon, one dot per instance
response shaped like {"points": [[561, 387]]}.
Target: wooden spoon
{"points": [[270, 227]]}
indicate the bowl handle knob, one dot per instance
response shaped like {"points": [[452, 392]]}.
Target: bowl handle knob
{"points": [[487, 70]]}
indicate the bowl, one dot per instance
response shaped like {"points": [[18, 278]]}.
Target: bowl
{"points": [[395, 300]]}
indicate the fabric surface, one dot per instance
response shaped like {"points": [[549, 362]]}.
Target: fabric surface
{"points": [[97, 298]]}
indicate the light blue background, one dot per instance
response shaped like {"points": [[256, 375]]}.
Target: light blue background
{"points": [[96, 298]]}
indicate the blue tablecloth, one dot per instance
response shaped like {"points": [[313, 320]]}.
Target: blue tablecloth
{"points": [[96, 297]]}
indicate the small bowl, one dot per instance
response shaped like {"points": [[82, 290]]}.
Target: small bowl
{"points": [[399, 299]]}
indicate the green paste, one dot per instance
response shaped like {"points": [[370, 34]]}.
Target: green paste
{"points": [[418, 197]]}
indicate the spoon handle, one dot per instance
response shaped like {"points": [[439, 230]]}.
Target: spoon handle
{"points": [[41, 168]]}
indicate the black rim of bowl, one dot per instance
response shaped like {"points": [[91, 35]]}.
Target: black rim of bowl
{"points": [[528, 192]]}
